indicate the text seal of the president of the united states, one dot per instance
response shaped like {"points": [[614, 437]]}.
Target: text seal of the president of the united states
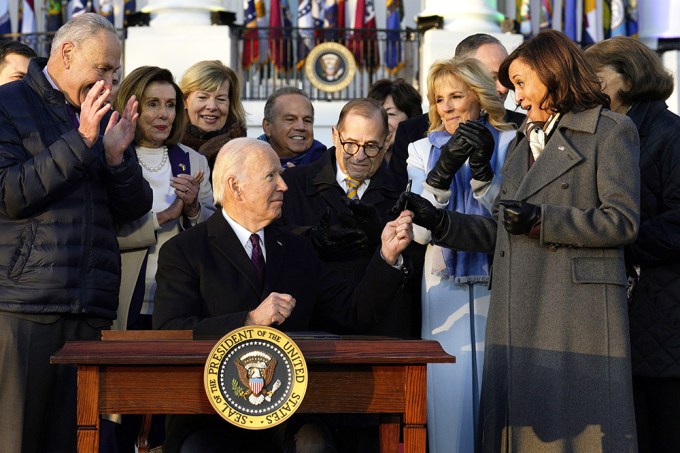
{"points": [[255, 377]]}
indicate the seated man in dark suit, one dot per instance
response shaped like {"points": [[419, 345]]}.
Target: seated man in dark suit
{"points": [[341, 203], [238, 269], [491, 53]]}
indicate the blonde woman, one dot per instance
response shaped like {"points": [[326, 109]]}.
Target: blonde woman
{"points": [[212, 93], [465, 148]]}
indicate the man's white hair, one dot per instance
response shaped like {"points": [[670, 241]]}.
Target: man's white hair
{"points": [[79, 29], [230, 162]]}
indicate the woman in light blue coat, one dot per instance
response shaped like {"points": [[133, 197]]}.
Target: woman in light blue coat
{"points": [[455, 293]]}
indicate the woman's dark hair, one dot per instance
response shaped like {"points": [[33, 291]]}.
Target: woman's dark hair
{"points": [[138, 81], [561, 67], [639, 65], [405, 97]]}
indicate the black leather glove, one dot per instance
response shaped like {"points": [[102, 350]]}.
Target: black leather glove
{"points": [[452, 156], [424, 214], [519, 217], [363, 217], [480, 138], [337, 244]]}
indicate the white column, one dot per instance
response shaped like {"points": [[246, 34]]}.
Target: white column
{"points": [[179, 34], [671, 60], [655, 21], [466, 16], [181, 12]]}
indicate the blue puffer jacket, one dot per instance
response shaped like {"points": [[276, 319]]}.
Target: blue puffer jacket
{"points": [[59, 201]]}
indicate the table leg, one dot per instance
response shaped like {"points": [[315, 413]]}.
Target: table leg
{"points": [[389, 433], [88, 413], [415, 417]]}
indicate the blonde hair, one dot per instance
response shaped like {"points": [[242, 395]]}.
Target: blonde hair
{"points": [[477, 79], [208, 75], [231, 161]]}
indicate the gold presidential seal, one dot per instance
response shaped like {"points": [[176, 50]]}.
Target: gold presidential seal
{"points": [[255, 377], [330, 67]]}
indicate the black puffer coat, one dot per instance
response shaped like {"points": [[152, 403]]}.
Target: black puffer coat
{"points": [[655, 305], [59, 201]]}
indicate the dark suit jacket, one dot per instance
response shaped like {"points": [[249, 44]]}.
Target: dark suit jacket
{"points": [[207, 283], [413, 129], [311, 190]]}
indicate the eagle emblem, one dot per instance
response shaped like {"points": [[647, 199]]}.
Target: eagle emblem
{"points": [[256, 372]]}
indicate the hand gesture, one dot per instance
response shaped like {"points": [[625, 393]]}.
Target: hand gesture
{"points": [[396, 236], [519, 217], [481, 140], [92, 110], [424, 214], [275, 309], [187, 188], [331, 243], [120, 132], [363, 217], [172, 212], [452, 156]]}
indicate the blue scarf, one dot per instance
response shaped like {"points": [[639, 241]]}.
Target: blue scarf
{"points": [[465, 267]]}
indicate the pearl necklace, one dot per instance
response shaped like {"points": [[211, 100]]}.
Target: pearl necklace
{"points": [[158, 167]]}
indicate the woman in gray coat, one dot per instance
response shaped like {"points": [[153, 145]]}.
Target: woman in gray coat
{"points": [[557, 368]]}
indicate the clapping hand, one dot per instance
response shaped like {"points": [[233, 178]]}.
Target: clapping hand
{"points": [[482, 143], [452, 156], [120, 132], [187, 188], [92, 110]]}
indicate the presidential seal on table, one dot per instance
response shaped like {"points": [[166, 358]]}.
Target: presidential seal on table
{"points": [[255, 377]]}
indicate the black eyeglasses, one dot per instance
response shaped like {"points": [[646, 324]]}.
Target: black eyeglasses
{"points": [[351, 148]]}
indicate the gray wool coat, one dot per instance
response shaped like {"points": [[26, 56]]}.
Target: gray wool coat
{"points": [[557, 358]]}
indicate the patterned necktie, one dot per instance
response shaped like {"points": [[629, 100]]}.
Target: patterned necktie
{"points": [[257, 258], [352, 188]]}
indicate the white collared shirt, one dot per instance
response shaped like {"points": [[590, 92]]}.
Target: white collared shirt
{"points": [[340, 177], [243, 236]]}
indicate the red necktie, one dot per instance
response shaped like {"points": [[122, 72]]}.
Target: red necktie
{"points": [[257, 258]]}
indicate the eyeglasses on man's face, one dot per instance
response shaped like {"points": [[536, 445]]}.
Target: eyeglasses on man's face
{"points": [[351, 148]]}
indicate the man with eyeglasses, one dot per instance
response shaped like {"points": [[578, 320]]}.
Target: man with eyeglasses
{"points": [[341, 203]]}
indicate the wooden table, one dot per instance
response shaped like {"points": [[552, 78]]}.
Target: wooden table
{"points": [[349, 375]]}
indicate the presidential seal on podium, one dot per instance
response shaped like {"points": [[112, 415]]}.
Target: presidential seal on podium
{"points": [[330, 67], [255, 377]]}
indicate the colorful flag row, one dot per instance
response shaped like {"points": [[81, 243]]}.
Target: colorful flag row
{"points": [[584, 21], [319, 21], [55, 14]]}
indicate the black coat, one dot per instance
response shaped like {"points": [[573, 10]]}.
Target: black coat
{"points": [[59, 203], [311, 190], [655, 305], [207, 283], [412, 130]]}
